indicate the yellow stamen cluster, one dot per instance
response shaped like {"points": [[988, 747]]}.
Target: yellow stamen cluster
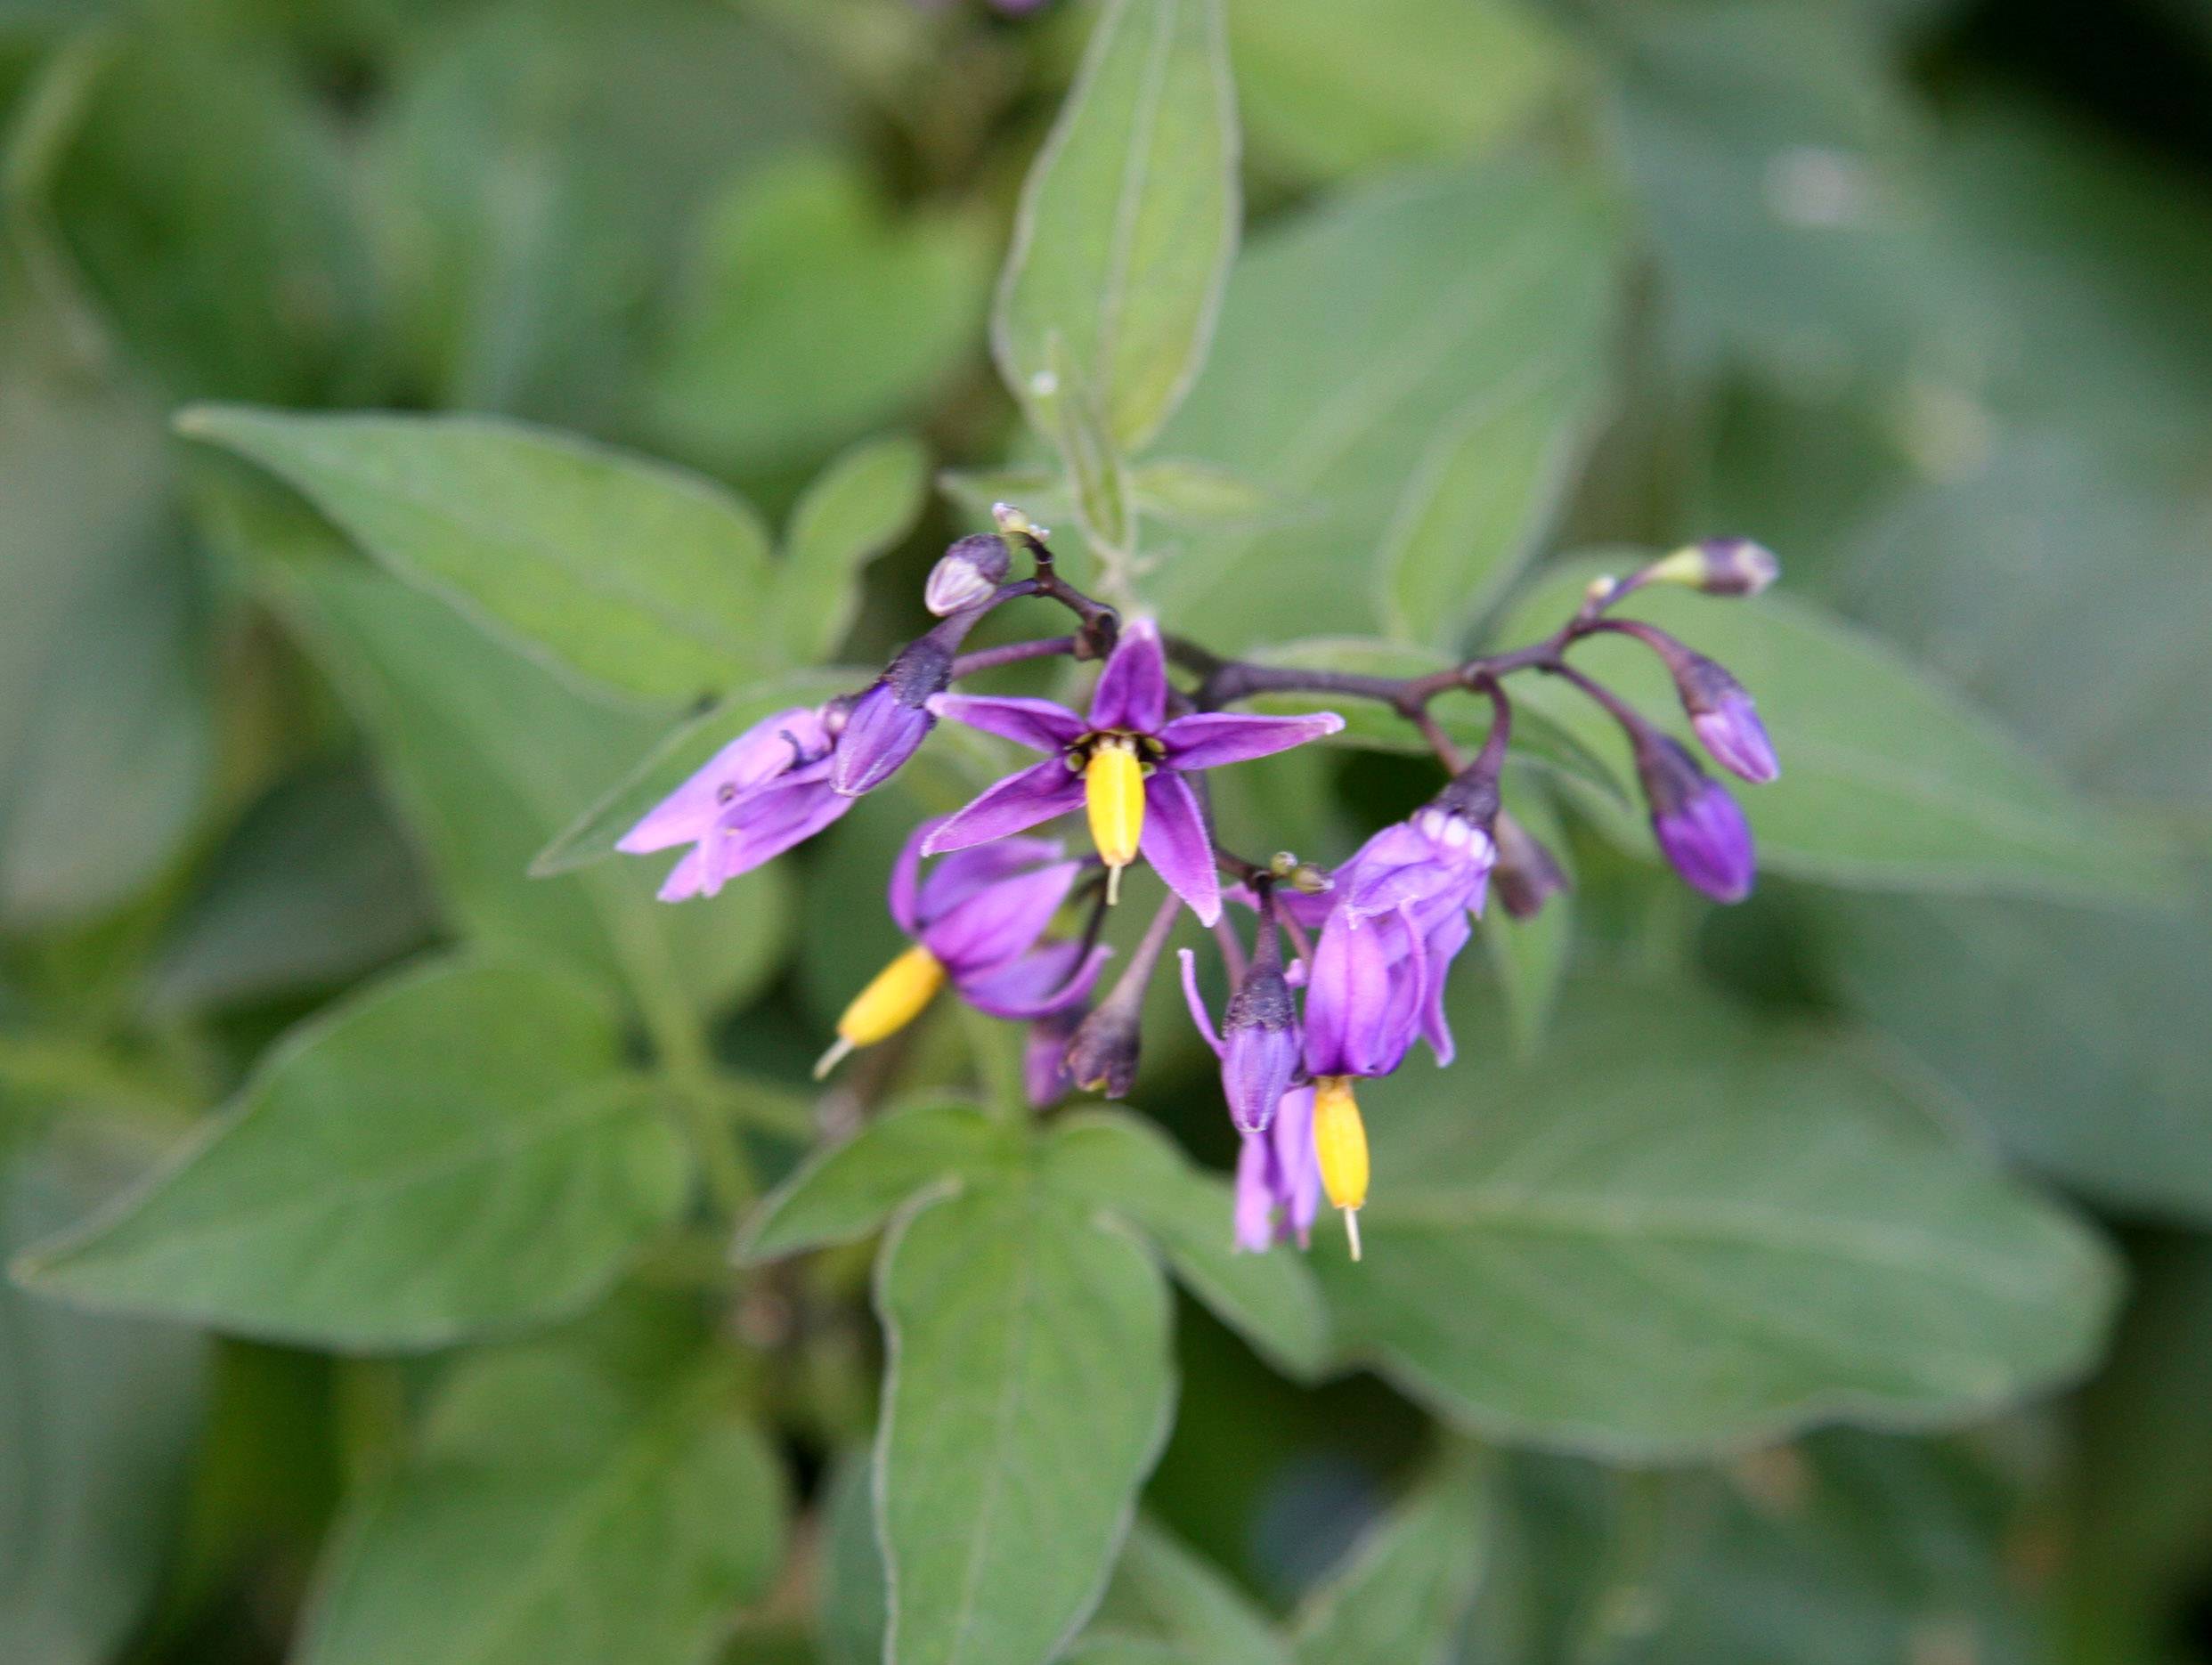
{"points": [[1113, 796], [1340, 1144], [893, 998]]}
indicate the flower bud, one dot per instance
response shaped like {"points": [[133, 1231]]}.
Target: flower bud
{"points": [[1527, 876], [1718, 566], [1699, 828], [1103, 1057], [1015, 524], [1725, 718], [887, 724], [1260, 1042], [966, 574]]}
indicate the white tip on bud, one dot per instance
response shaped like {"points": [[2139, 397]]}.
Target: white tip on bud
{"points": [[966, 575], [1015, 523]]}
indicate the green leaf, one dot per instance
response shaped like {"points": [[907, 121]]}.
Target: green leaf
{"points": [[557, 1516], [813, 315], [858, 507], [1162, 1591], [626, 573], [105, 742], [1129, 223], [1676, 1231], [1889, 779], [1030, 1388], [1329, 90], [854, 1603], [1406, 1588], [673, 759], [445, 1153], [851, 1189], [314, 886], [1128, 1164], [448, 1152], [95, 1448], [1190, 493], [1098, 475], [1436, 317], [487, 756]]}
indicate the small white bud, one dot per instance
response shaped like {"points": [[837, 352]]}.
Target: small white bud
{"points": [[966, 575]]}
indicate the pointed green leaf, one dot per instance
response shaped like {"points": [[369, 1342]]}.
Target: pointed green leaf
{"points": [[626, 573], [854, 1602], [1889, 779], [557, 1516], [1128, 223], [1449, 330], [1406, 1588], [851, 1189], [1128, 1164], [1162, 1589], [487, 756], [448, 1152], [1676, 1230], [862, 504], [1030, 1388]]}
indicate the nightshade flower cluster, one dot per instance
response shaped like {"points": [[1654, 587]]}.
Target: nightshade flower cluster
{"points": [[1346, 969]]}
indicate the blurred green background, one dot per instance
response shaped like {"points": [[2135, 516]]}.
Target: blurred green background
{"points": [[1913, 291]]}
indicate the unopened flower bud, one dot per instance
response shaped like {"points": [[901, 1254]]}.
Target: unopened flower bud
{"points": [[1103, 1057], [887, 724], [1725, 718], [1527, 875], [1718, 566], [1260, 1043], [1015, 524], [1699, 828], [965, 573]]}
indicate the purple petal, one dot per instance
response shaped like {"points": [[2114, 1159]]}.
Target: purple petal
{"points": [[903, 895], [998, 922], [1257, 1066], [1446, 937], [1041, 725], [1255, 1198], [1737, 740], [775, 744], [1208, 739], [880, 734], [967, 872], [1177, 842], [1044, 1077], [1132, 691], [1056, 977], [1297, 1164], [1015, 804], [1708, 843], [1199, 1014], [1347, 998]]}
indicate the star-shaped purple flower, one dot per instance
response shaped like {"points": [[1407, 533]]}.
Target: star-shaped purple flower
{"points": [[1126, 763], [982, 914]]}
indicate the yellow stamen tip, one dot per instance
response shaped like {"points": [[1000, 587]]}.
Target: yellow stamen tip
{"points": [[893, 999], [1340, 1142], [1113, 797]]}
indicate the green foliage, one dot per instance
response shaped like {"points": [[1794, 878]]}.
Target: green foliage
{"points": [[508, 1178], [428, 432]]}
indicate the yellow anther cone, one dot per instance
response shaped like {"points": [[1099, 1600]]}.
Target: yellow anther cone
{"points": [[1113, 796], [1340, 1145], [893, 998]]}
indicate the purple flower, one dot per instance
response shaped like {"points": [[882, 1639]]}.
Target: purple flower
{"points": [[980, 914], [1390, 929], [1726, 720], [1699, 828], [976, 920], [1718, 566], [1045, 1078], [1278, 1181], [889, 722], [763, 792], [1125, 764], [1259, 1048]]}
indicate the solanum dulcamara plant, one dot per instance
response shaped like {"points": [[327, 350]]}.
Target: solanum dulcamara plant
{"points": [[1372, 936]]}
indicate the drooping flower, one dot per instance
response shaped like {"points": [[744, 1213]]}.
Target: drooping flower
{"points": [[1727, 721], [889, 721], [763, 792], [1259, 1045], [976, 921], [1279, 1179], [1125, 764], [1699, 827]]}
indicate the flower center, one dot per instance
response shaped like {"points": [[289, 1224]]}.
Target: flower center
{"points": [[1113, 797]]}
